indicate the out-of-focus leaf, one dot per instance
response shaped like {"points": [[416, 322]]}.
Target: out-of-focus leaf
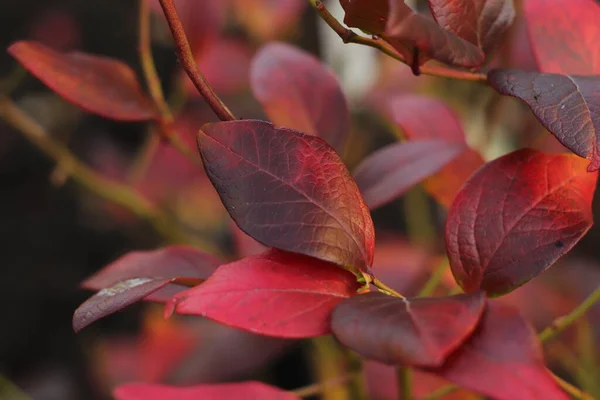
{"points": [[114, 298], [515, 217], [297, 91], [389, 172], [564, 35], [97, 84], [502, 359], [481, 22], [267, 19], [417, 331], [276, 294], [288, 190], [418, 33], [568, 106], [168, 262], [424, 118], [222, 391]]}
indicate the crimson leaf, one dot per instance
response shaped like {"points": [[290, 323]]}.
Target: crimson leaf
{"points": [[419, 331], [288, 190], [515, 217], [275, 294], [97, 84]]}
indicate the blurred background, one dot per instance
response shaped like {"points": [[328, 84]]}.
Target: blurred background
{"points": [[54, 233]]}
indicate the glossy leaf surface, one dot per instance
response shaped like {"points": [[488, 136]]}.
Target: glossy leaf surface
{"points": [[568, 106], [97, 84], [288, 190], [481, 22], [419, 331], [223, 391], [564, 35], [114, 298], [424, 118], [418, 32], [502, 359], [276, 294], [168, 262], [297, 91], [391, 171], [515, 217]]}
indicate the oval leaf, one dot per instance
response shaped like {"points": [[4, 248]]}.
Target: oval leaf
{"points": [[502, 359], [413, 114], [221, 391], [275, 294], [112, 299], [168, 262], [420, 331], [564, 35], [389, 172], [515, 217], [418, 32], [288, 190], [481, 22], [568, 106], [299, 92], [97, 84]]}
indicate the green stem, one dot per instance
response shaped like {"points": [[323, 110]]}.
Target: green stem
{"points": [[562, 323], [385, 288], [441, 392], [434, 279], [404, 378]]}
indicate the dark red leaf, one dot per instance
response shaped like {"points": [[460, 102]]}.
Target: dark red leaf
{"points": [[368, 15], [564, 35], [97, 84], [481, 22], [515, 217], [414, 115], [169, 262], [568, 106], [275, 294], [288, 190], [502, 359], [418, 331], [221, 391], [299, 92], [389, 172], [114, 298], [416, 31]]}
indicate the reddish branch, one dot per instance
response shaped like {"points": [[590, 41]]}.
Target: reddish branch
{"points": [[186, 58]]}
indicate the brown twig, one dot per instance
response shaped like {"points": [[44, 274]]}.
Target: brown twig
{"points": [[349, 36], [189, 64]]}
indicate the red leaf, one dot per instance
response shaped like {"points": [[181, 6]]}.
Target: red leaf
{"points": [[568, 106], [515, 217], [368, 15], [288, 190], [97, 84], [275, 294], [114, 298], [414, 115], [502, 359], [299, 92], [481, 22], [418, 331], [416, 31], [564, 35], [222, 391], [389, 172], [168, 262]]}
